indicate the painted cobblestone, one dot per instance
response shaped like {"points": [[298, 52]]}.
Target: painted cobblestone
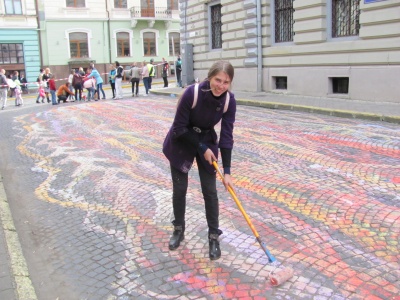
{"points": [[323, 193]]}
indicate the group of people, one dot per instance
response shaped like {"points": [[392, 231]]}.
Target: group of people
{"points": [[146, 72], [91, 80], [73, 88], [15, 84]]}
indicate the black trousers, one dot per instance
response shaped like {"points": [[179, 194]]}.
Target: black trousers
{"points": [[209, 190], [135, 86]]}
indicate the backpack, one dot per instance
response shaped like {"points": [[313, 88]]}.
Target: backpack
{"points": [[196, 95]]}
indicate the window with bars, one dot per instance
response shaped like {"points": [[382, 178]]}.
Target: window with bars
{"points": [[174, 44], [120, 4], [123, 48], [76, 3], [78, 44], [11, 54], [216, 26], [345, 18], [149, 44], [13, 7], [284, 21]]}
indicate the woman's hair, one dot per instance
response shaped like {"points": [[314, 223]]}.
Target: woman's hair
{"points": [[221, 65]]}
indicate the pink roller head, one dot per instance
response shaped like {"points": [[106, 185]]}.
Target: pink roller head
{"points": [[281, 276]]}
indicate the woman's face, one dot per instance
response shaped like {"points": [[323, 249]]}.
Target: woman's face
{"points": [[220, 83]]}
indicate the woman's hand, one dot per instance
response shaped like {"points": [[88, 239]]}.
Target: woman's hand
{"points": [[228, 181], [209, 156]]}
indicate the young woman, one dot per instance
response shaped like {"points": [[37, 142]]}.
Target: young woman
{"points": [[192, 135]]}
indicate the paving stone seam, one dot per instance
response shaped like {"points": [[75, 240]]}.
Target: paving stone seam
{"points": [[23, 286]]}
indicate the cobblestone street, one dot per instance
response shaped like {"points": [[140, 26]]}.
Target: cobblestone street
{"points": [[94, 197]]}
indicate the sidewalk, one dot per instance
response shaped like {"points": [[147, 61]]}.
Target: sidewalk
{"points": [[374, 111]]}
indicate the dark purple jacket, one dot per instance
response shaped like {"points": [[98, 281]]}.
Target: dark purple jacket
{"points": [[207, 113]]}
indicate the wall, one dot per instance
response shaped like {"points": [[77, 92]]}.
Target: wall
{"points": [[370, 60]]}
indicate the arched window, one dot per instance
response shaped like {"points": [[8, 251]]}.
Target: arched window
{"points": [[149, 43], [123, 44], [78, 44]]}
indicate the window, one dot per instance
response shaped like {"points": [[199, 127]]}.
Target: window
{"points": [[173, 4], [345, 17], [120, 4], [123, 44], [147, 8], [13, 7], [75, 3], [11, 54], [280, 83], [216, 26], [78, 43], [149, 43], [174, 44], [284, 21], [340, 85]]}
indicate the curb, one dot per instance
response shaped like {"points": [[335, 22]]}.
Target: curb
{"points": [[308, 109], [23, 288]]}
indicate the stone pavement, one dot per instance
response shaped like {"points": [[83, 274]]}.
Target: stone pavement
{"points": [[323, 192]]}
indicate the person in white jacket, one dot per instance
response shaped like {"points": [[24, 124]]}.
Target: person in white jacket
{"points": [[118, 81]]}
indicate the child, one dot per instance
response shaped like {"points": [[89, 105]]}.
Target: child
{"points": [[53, 89], [18, 96], [41, 92]]}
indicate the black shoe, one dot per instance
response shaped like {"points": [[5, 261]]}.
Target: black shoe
{"points": [[215, 251], [177, 237]]}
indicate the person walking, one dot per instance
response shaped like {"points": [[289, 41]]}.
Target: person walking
{"points": [[3, 88], [165, 70], [146, 78], [111, 79], [135, 79], [192, 135], [118, 81], [178, 70]]}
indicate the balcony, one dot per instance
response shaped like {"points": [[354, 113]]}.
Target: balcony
{"points": [[158, 13]]}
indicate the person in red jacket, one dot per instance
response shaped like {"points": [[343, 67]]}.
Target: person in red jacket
{"points": [[53, 89]]}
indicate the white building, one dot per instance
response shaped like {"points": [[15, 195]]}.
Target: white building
{"points": [[336, 48]]}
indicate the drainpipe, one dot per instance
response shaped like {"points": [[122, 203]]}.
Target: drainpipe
{"points": [[109, 32], [259, 48], [39, 33]]}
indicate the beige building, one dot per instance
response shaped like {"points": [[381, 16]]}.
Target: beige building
{"points": [[325, 48]]}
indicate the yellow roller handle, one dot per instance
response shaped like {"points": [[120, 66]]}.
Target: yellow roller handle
{"points": [[239, 205]]}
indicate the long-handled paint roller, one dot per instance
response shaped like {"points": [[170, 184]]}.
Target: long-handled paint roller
{"points": [[276, 276]]}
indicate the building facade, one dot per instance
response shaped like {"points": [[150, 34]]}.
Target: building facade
{"points": [[68, 34], [19, 42], [325, 48]]}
